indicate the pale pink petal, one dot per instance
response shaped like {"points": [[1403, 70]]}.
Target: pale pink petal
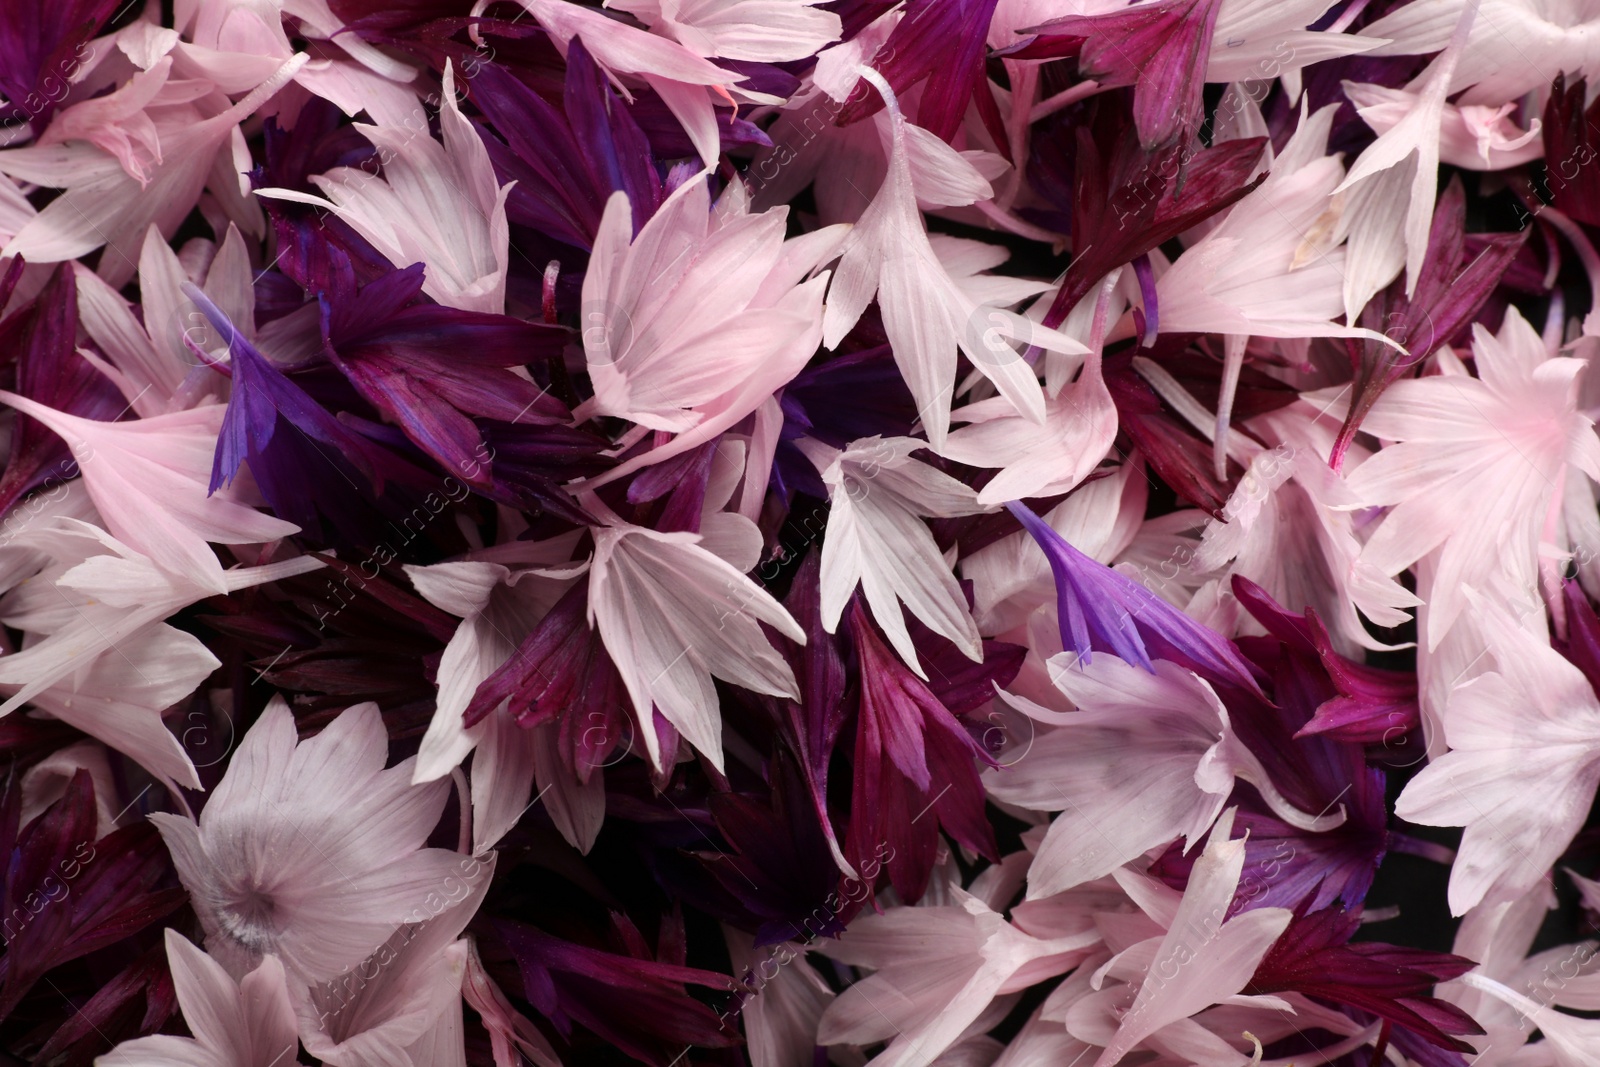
{"points": [[578, 808], [1522, 769], [255, 1021], [503, 772], [510, 1031], [46, 782], [876, 538], [148, 480], [408, 993], [1080, 425], [1209, 959], [620, 47], [104, 206], [310, 851], [435, 204], [687, 322], [672, 615], [148, 379], [763, 31]]}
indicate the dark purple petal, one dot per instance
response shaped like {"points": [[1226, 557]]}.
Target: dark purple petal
{"points": [[779, 868], [351, 632], [321, 253], [394, 15], [566, 162], [424, 615], [1582, 645], [570, 984], [1370, 705], [855, 395], [319, 141], [67, 894], [115, 1013], [44, 46], [532, 465], [1571, 143], [682, 480], [1176, 454], [8, 281], [810, 727], [429, 369], [667, 140], [1127, 200], [1286, 866], [41, 335]]}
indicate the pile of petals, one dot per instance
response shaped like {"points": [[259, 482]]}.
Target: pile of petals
{"points": [[773, 533]]}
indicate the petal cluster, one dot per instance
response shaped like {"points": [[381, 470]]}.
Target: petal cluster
{"points": [[937, 533]]}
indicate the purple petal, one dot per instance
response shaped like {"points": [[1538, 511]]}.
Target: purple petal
{"points": [[1151, 325], [1102, 610], [429, 369]]}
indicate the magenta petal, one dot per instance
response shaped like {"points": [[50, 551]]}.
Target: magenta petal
{"points": [[1372, 706], [561, 671], [916, 770], [1314, 957], [942, 44], [1450, 291], [1159, 48]]}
